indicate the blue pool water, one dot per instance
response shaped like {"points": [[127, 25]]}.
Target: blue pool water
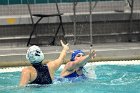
{"points": [[109, 79]]}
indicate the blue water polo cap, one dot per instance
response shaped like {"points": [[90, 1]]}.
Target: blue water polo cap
{"points": [[34, 55], [74, 53]]}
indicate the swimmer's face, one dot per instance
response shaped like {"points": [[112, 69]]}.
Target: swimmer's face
{"points": [[79, 55]]}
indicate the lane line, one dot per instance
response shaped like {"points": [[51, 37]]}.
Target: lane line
{"points": [[93, 64]]}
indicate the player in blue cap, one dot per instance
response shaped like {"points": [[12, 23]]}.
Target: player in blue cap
{"points": [[75, 66]]}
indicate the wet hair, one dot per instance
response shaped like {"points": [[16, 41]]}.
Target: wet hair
{"points": [[74, 53], [34, 55]]}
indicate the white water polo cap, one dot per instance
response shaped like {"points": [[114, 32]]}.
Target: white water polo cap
{"points": [[34, 55]]}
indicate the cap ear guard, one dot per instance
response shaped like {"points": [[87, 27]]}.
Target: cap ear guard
{"points": [[74, 53], [34, 55]]}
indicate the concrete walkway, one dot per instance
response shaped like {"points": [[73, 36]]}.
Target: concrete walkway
{"points": [[106, 51]]}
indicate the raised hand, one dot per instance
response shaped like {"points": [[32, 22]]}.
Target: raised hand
{"points": [[65, 46], [93, 54]]}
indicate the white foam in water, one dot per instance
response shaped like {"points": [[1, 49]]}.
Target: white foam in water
{"points": [[93, 65], [131, 62], [10, 69]]}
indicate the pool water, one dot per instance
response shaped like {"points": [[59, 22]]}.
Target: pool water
{"points": [[109, 79]]}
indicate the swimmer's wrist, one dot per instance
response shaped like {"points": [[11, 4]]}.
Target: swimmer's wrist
{"points": [[65, 49]]}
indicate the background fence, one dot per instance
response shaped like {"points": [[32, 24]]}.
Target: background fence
{"points": [[112, 21]]}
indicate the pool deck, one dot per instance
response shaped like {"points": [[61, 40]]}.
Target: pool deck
{"points": [[104, 51]]}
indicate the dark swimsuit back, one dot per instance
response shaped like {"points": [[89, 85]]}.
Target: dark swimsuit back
{"points": [[43, 75]]}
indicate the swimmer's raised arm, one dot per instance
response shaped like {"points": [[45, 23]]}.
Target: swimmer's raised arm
{"points": [[86, 58], [81, 61], [54, 65]]}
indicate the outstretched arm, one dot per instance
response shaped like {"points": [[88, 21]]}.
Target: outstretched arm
{"points": [[81, 61], [63, 52], [87, 58], [54, 65]]}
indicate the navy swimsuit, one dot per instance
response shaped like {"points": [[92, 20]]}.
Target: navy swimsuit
{"points": [[74, 77], [74, 74], [43, 75]]}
